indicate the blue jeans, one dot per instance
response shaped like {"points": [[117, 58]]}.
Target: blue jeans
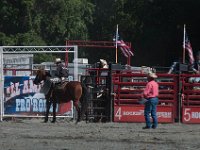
{"points": [[151, 108]]}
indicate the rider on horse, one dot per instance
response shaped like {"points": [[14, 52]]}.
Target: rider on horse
{"points": [[56, 93], [60, 77], [61, 70]]}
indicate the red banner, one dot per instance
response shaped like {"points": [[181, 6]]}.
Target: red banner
{"points": [[191, 114], [66, 109], [136, 114]]}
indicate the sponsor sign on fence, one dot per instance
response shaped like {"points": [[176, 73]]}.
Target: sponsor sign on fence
{"points": [[191, 114], [136, 114]]}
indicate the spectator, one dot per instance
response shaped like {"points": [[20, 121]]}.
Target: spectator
{"points": [[61, 71]]}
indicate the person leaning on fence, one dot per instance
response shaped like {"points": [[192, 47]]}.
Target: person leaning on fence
{"points": [[61, 71], [151, 94]]}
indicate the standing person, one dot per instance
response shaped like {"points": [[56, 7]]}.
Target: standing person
{"points": [[61, 71], [151, 94]]}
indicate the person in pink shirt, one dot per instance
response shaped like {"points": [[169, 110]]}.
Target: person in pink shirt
{"points": [[151, 94]]}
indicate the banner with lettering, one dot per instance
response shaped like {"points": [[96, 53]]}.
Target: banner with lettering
{"points": [[191, 114], [136, 114], [22, 97]]}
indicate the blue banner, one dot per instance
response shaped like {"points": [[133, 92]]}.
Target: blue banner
{"points": [[22, 97]]}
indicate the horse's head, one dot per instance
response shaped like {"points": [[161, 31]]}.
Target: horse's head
{"points": [[41, 75]]}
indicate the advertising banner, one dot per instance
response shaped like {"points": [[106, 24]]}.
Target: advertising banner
{"points": [[22, 97], [191, 114], [136, 114]]}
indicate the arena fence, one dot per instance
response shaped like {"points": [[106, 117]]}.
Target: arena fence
{"points": [[190, 98], [128, 88], [26, 106], [179, 96], [97, 81], [114, 94]]}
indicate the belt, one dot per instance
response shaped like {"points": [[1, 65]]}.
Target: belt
{"points": [[152, 97]]}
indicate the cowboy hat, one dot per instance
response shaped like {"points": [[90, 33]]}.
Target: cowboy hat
{"points": [[58, 60], [104, 62], [152, 75]]}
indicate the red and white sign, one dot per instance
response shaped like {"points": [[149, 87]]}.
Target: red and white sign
{"points": [[191, 114], [66, 109], [136, 114]]}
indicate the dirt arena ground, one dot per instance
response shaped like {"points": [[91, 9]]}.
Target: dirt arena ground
{"points": [[33, 134]]}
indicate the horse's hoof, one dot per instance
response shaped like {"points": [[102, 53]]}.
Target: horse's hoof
{"points": [[77, 121]]}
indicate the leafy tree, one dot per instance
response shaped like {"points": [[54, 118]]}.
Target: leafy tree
{"points": [[6, 40], [61, 19], [41, 22]]}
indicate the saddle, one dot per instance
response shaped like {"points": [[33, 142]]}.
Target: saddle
{"points": [[55, 83], [61, 86]]}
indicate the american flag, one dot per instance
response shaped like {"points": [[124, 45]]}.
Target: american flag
{"points": [[126, 50], [188, 47]]}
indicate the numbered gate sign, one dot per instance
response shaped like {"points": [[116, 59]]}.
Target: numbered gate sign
{"points": [[136, 114], [191, 115]]}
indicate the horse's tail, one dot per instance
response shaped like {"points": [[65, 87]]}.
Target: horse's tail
{"points": [[84, 101]]}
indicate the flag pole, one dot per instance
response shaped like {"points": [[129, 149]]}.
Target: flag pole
{"points": [[116, 55], [184, 44]]}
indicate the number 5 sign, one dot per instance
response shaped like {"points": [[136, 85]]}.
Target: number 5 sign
{"points": [[186, 115], [191, 115]]}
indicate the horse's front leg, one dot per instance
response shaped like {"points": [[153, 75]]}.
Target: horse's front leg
{"points": [[48, 105], [54, 111]]}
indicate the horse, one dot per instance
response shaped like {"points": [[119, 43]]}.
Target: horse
{"points": [[72, 90]]}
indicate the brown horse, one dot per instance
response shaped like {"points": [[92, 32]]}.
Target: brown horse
{"points": [[73, 90]]}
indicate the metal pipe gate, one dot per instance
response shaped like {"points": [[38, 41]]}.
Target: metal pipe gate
{"points": [[97, 81], [128, 88], [190, 98]]}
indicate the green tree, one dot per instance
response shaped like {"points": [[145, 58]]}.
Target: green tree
{"points": [[41, 22], [61, 19]]}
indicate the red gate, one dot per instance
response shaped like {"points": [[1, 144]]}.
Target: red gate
{"points": [[128, 88], [190, 98]]}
